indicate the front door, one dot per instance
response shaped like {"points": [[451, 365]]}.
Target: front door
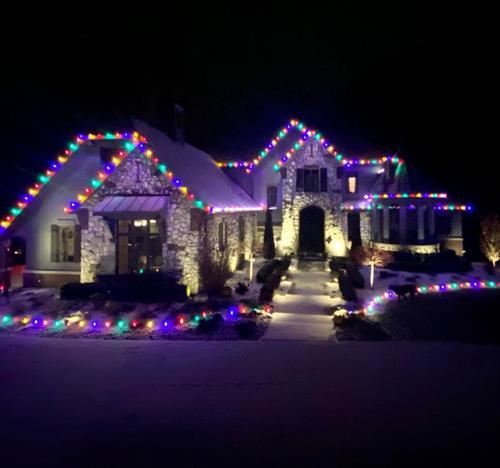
{"points": [[139, 248], [312, 231]]}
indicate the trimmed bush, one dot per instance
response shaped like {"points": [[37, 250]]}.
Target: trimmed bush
{"points": [[269, 268], [346, 288], [355, 276], [266, 271], [338, 263], [210, 324], [247, 330], [241, 288], [142, 288]]}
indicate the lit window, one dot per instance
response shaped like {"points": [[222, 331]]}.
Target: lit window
{"points": [[352, 184], [65, 243]]}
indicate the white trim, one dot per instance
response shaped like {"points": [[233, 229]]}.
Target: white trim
{"points": [[52, 272]]}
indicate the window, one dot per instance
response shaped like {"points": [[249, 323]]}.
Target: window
{"points": [[241, 229], [197, 218], [283, 172], [272, 195], [352, 183], [139, 247], [222, 235], [65, 243], [312, 179]]}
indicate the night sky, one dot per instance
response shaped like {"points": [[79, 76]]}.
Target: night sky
{"points": [[405, 78]]}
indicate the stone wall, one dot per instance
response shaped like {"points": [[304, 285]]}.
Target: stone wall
{"points": [[420, 249], [182, 239], [312, 153], [365, 226], [237, 249]]}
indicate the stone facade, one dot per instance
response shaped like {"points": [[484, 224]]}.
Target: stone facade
{"points": [[182, 237], [312, 154], [365, 227], [419, 249]]}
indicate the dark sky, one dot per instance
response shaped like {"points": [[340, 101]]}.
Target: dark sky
{"points": [[410, 78]]}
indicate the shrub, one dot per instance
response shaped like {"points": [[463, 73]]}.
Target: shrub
{"points": [[269, 268], [247, 330], [355, 276], [266, 270], [338, 263], [226, 291], [115, 308], [241, 288], [143, 288], [346, 288], [266, 294], [214, 270], [268, 249], [210, 324]]}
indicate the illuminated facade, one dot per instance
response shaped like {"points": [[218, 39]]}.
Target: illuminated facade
{"points": [[140, 202]]}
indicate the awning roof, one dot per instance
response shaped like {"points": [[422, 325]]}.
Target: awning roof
{"points": [[129, 207]]}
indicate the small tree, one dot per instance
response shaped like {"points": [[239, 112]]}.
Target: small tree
{"points": [[214, 270], [373, 257], [268, 249], [490, 237]]}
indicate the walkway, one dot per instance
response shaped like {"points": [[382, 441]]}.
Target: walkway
{"points": [[302, 315]]}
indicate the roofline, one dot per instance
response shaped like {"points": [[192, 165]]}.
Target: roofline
{"points": [[307, 133], [132, 142]]}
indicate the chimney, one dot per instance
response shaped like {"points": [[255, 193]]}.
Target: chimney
{"points": [[179, 123]]}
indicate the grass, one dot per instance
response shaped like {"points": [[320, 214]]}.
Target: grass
{"points": [[463, 316]]}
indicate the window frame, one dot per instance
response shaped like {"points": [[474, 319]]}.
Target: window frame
{"points": [[348, 176]]}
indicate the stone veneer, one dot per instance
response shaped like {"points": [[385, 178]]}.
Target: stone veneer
{"points": [[182, 242], [312, 154], [365, 227], [420, 249]]}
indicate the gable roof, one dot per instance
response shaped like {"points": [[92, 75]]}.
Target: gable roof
{"points": [[290, 139], [199, 171]]}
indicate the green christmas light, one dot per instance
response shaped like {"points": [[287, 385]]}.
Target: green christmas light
{"points": [[276, 168], [73, 146], [162, 168], [43, 178], [95, 183], [129, 146], [198, 204], [15, 211]]}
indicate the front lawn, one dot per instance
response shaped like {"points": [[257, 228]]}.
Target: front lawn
{"points": [[41, 312], [463, 316]]}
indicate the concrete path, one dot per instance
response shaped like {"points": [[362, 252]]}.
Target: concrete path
{"points": [[301, 315]]}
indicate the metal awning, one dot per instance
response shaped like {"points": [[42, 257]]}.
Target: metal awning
{"points": [[131, 207]]}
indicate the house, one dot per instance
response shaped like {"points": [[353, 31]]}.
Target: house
{"points": [[140, 202]]}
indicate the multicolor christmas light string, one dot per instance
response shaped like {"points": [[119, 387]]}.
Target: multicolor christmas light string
{"points": [[44, 178], [132, 141], [453, 286], [306, 134], [367, 206], [77, 323], [376, 196]]}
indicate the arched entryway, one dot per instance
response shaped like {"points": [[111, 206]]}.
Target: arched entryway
{"points": [[312, 231]]}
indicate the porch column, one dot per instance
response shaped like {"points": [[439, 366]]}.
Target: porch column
{"points": [[420, 224], [432, 224], [456, 224], [374, 224], [402, 224], [385, 220]]}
